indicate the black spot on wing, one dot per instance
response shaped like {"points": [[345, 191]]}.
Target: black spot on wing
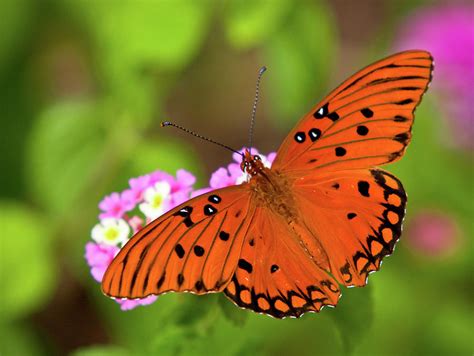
{"points": [[340, 151], [246, 266], [209, 210], [363, 188], [404, 102], [198, 250], [351, 216], [214, 199], [224, 236], [180, 279], [185, 212], [321, 112], [362, 130], [367, 112], [333, 116], [402, 137], [161, 281], [179, 250], [300, 137], [399, 118], [314, 134], [199, 286]]}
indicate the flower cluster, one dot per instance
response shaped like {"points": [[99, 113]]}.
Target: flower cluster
{"points": [[148, 197]]}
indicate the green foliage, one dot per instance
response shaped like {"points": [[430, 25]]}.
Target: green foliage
{"points": [[160, 153], [64, 148], [17, 15], [19, 339], [26, 256], [232, 312], [354, 309], [300, 68], [102, 350], [248, 25]]}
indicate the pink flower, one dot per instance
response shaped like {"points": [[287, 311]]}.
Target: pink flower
{"points": [[99, 258], [433, 233], [181, 187], [129, 304], [115, 205], [137, 188], [136, 223], [448, 33]]}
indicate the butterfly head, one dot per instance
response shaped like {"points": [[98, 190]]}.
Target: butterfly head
{"points": [[251, 164]]}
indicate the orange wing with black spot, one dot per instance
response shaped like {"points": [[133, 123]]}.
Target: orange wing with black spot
{"points": [[356, 216], [278, 276], [194, 247], [365, 122]]}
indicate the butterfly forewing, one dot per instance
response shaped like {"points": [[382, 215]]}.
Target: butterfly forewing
{"points": [[365, 122], [194, 247]]}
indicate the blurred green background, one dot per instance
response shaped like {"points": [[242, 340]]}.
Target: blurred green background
{"points": [[84, 86]]}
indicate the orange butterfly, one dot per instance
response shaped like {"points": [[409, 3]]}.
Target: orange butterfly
{"points": [[323, 216]]}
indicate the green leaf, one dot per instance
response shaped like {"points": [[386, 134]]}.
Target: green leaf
{"points": [[248, 25], [19, 339], [300, 68], [234, 314], [170, 340], [63, 150], [132, 34], [16, 18], [101, 350], [27, 270], [353, 316], [161, 153]]}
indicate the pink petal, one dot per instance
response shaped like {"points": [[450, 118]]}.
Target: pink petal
{"points": [[98, 273], [131, 304], [220, 179], [159, 176], [185, 178], [136, 223], [271, 157], [129, 199]]}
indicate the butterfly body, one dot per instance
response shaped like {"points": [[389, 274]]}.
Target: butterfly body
{"points": [[323, 216]]}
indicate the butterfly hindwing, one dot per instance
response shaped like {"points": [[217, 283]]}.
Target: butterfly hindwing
{"points": [[276, 275], [194, 247], [364, 122], [356, 215]]}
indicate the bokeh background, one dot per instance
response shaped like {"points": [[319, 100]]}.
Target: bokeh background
{"points": [[84, 86]]}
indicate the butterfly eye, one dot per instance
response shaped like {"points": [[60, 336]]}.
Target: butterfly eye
{"points": [[256, 158]]}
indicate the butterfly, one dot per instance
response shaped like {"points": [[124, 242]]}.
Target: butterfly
{"points": [[322, 217]]}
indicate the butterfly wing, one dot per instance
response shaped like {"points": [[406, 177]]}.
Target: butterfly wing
{"points": [[364, 122], [194, 247], [356, 215], [276, 275]]}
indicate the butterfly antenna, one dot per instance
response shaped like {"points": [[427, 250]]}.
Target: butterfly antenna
{"points": [[168, 123], [254, 109]]}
